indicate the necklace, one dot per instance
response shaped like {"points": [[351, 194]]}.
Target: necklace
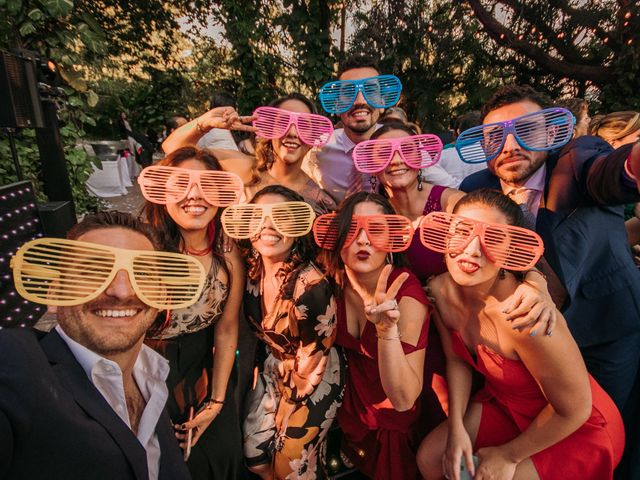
{"points": [[199, 253]]}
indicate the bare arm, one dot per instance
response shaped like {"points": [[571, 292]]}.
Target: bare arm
{"points": [[557, 366], [189, 134], [459, 381], [225, 343], [226, 329], [401, 374], [450, 197]]}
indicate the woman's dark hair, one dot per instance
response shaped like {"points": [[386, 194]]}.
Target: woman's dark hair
{"points": [[494, 199], [499, 201], [157, 214], [264, 147], [344, 214], [168, 230], [303, 251]]}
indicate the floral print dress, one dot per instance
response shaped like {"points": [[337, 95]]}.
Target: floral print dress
{"points": [[299, 389]]}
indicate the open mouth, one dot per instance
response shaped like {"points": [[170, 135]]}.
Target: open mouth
{"points": [[290, 144], [360, 112], [397, 172], [194, 210], [116, 313], [468, 267], [270, 238]]}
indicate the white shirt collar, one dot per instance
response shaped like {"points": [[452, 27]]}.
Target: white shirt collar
{"points": [[149, 362]]}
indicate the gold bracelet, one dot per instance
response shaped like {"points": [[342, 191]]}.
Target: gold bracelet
{"points": [[389, 338]]}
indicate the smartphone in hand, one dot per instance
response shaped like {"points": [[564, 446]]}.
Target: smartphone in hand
{"points": [[464, 472], [187, 450]]}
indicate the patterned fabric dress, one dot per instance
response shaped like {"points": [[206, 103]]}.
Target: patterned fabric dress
{"points": [[187, 342], [299, 388]]}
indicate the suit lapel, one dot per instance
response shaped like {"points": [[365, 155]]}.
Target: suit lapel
{"points": [[75, 380]]}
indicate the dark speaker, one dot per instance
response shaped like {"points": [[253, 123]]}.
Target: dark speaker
{"points": [[19, 100], [57, 218]]}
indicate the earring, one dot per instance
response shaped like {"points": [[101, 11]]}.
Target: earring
{"points": [[390, 258], [502, 275], [255, 254], [419, 180], [374, 183]]}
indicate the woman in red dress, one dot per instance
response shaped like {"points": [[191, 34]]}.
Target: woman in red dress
{"points": [[383, 320], [540, 415]]}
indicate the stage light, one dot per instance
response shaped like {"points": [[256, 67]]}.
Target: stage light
{"points": [[19, 223]]}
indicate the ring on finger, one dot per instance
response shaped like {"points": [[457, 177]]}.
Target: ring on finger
{"points": [[395, 304]]}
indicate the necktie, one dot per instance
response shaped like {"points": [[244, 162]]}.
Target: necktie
{"points": [[524, 197]]}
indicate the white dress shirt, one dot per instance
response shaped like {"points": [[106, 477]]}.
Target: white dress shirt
{"points": [[332, 167], [150, 373], [450, 169], [217, 138], [534, 182]]}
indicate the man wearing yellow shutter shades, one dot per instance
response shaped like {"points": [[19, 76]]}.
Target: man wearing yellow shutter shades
{"points": [[87, 399]]}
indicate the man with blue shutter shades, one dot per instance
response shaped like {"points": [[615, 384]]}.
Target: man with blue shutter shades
{"points": [[574, 196]]}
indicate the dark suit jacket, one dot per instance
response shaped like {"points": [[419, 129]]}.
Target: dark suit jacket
{"points": [[54, 424], [582, 224]]}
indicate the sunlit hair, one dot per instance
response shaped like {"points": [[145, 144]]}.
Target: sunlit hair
{"points": [[332, 258], [391, 126], [265, 154], [615, 126], [513, 93], [159, 218], [114, 219], [496, 200], [303, 250]]}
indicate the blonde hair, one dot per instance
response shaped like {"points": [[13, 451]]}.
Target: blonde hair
{"points": [[615, 126]]}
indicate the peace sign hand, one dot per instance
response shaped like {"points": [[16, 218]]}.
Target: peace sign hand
{"points": [[381, 309], [224, 117]]}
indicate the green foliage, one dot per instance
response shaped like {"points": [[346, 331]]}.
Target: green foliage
{"points": [[138, 57], [28, 159]]}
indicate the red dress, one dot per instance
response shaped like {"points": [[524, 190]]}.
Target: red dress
{"points": [[511, 399], [379, 440]]}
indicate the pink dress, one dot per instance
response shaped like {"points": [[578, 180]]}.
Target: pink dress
{"points": [[511, 399], [379, 440]]}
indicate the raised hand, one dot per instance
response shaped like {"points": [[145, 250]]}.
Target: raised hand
{"points": [[224, 117], [381, 308]]}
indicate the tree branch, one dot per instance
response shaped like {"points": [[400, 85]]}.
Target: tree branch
{"points": [[586, 19], [567, 50], [500, 33]]}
